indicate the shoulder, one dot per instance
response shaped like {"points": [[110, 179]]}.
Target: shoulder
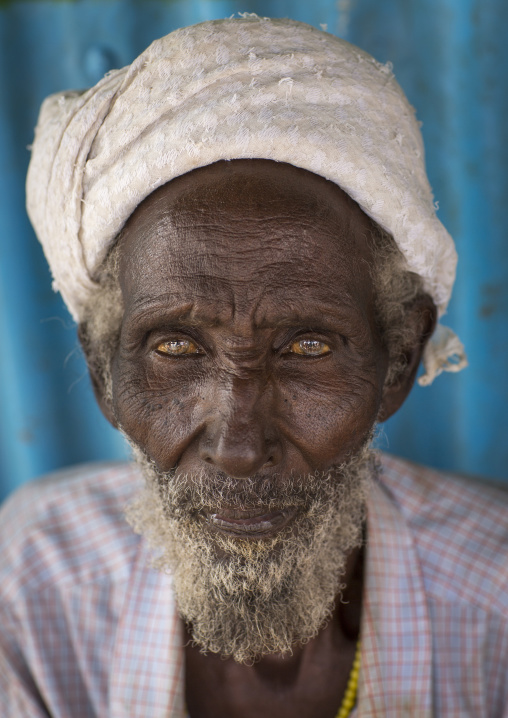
{"points": [[460, 531], [67, 528]]}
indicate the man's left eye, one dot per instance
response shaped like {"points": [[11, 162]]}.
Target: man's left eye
{"points": [[309, 347], [178, 347]]}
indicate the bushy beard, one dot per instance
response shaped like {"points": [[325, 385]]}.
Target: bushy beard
{"points": [[245, 598]]}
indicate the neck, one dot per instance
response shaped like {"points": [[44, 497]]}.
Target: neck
{"points": [[344, 625], [310, 680]]}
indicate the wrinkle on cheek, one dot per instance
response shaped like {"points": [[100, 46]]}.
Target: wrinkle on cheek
{"points": [[162, 405], [335, 414], [142, 401], [130, 385], [158, 423]]}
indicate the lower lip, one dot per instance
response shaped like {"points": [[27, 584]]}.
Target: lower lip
{"points": [[250, 527]]}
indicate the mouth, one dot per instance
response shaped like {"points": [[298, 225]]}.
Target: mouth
{"points": [[254, 523]]}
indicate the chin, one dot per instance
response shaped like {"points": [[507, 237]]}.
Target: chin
{"points": [[250, 592]]}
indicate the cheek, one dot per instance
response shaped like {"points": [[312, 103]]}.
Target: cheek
{"points": [[329, 416], [156, 412], [321, 412]]}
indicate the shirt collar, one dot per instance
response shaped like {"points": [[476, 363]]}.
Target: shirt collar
{"points": [[149, 681], [396, 658]]}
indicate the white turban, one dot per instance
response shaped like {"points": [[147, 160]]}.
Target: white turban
{"points": [[241, 88]]}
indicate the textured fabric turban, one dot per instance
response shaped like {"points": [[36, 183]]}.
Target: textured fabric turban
{"points": [[240, 88]]}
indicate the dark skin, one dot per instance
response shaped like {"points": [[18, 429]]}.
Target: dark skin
{"points": [[249, 346]]}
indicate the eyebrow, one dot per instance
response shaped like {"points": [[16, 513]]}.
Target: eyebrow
{"points": [[323, 316], [315, 320], [156, 312]]}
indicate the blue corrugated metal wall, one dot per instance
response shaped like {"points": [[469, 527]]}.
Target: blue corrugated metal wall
{"points": [[450, 56]]}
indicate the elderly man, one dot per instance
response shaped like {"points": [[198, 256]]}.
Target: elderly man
{"points": [[241, 224]]}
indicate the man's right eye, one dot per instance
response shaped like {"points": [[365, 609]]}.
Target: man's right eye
{"points": [[177, 347]]}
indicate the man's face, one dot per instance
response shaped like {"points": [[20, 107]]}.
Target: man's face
{"points": [[249, 343], [249, 375]]}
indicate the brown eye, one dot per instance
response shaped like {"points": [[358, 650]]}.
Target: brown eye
{"points": [[309, 347], [178, 347]]}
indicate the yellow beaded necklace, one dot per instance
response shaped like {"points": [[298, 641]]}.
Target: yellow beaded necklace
{"points": [[349, 699]]}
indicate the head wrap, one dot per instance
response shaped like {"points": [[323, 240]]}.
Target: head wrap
{"points": [[240, 88]]}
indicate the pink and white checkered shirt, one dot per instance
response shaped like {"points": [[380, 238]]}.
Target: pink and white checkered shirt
{"points": [[87, 629]]}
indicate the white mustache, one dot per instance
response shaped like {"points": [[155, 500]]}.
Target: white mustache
{"points": [[213, 492]]}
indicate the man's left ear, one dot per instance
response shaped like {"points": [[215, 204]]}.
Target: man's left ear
{"points": [[422, 317]]}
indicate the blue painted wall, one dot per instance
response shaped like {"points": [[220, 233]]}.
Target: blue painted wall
{"points": [[450, 56]]}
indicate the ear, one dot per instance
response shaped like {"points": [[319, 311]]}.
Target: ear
{"points": [[97, 379], [422, 316]]}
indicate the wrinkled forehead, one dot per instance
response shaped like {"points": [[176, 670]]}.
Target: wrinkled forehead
{"points": [[248, 194], [244, 233]]}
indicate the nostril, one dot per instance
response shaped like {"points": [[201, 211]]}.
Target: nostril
{"points": [[238, 453]]}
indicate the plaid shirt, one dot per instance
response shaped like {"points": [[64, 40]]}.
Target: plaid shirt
{"points": [[88, 629]]}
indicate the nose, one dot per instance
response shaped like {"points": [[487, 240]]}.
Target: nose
{"points": [[240, 437]]}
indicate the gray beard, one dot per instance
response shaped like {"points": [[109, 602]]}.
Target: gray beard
{"points": [[245, 598]]}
